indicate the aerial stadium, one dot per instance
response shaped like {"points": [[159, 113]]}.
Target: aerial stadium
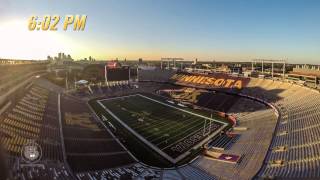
{"points": [[159, 91], [159, 122]]}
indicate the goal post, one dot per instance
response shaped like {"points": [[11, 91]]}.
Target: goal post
{"points": [[207, 125]]}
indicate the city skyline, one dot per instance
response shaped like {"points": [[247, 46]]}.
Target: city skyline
{"points": [[207, 30]]}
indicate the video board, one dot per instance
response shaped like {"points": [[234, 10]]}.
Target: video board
{"points": [[118, 74]]}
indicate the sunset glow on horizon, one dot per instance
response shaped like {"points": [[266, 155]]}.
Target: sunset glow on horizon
{"points": [[211, 30]]}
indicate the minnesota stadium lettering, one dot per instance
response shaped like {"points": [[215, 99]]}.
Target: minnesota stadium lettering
{"points": [[210, 81]]}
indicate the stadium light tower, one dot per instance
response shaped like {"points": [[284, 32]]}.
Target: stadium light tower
{"points": [[272, 69], [252, 67]]}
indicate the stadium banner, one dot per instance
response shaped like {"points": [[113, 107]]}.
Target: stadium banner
{"points": [[217, 80]]}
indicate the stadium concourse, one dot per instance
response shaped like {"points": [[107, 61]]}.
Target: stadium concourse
{"points": [[277, 130]]}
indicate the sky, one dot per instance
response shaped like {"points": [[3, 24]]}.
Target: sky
{"points": [[221, 30]]}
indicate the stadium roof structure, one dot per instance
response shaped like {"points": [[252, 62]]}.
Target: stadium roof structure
{"points": [[262, 61], [168, 59]]}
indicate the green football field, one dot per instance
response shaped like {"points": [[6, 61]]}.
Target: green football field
{"points": [[169, 129]]}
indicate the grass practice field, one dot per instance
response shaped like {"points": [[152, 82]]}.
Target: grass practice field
{"points": [[170, 130]]}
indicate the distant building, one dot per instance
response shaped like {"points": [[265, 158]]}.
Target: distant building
{"points": [[223, 68], [61, 60], [305, 74], [195, 61], [49, 58], [307, 70]]}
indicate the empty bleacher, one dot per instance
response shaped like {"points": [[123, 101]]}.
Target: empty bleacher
{"points": [[89, 146], [222, 142], [33, 118]]}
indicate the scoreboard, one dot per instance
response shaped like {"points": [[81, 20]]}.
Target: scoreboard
{"points": [[117, 74]]}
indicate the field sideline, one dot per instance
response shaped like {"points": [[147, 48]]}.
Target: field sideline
{"points": [[169, 130]]}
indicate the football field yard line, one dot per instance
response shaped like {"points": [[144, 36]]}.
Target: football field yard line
{"points": [[201, 142], [168, 105], [159, 118], [196, 120], [194, 132], [178, 129], [163, 122], [191, 134], [142, 131], [181, 109], [138, 135], [152, 138], [154, 122], [162, 126], [190, 121]]}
